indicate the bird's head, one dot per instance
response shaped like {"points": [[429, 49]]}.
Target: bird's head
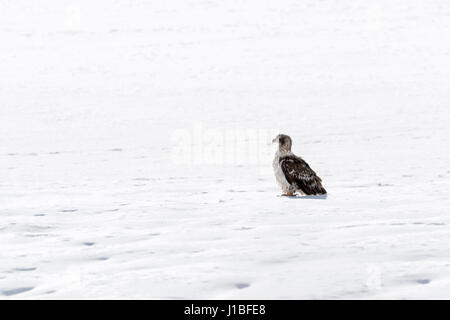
{"points": [[284, 142]]}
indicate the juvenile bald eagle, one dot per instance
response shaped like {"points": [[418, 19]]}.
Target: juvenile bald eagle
{"points": [[293, 174]]}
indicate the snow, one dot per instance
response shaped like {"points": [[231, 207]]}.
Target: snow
{"points": [[115, 183]]}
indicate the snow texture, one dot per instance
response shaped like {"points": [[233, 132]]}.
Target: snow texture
{"points": [[94, 205]]}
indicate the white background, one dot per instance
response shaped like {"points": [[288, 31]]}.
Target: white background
{"points": [[93, 205]]}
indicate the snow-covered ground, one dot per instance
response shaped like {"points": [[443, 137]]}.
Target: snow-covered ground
{"points": [[108, 191]]}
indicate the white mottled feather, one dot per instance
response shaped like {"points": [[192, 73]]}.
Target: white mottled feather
{"points": [[279, 174]]}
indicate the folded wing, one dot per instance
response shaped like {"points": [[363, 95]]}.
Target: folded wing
{"points": [[301, 176]]}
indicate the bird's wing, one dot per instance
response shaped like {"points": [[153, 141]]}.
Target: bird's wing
{"points": [[300, 175]]}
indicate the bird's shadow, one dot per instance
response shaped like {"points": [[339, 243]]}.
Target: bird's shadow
{"points": [[318, 197]]}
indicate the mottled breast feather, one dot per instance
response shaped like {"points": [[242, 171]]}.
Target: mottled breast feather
{"points": [[299, 174]]}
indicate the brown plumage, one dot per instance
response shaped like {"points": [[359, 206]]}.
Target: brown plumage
{"points": [[300, 175], [292, 172]]}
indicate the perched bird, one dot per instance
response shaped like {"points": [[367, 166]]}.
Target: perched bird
{"points": [[293, 174]]}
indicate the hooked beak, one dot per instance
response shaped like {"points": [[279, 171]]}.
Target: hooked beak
{"points": [[275, 140]]}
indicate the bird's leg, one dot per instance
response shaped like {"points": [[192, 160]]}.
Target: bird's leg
{"points": [[288, 192]]}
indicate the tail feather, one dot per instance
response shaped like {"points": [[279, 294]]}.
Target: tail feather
{"points": [[312, 189]]}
